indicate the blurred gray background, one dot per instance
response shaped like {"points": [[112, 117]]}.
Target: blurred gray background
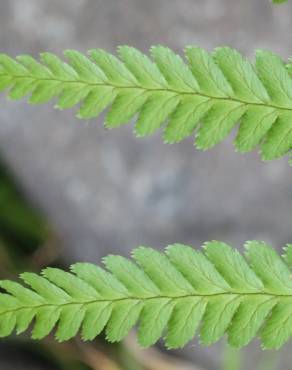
{"points": [[107, 191]]}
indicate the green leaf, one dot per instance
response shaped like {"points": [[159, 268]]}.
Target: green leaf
{"points": [[75, 287], [21, 88], [218, 315], [173, 68], [7, 324], [269, 267], [106, 284], [125, 106], [23, 319], [61, 70], [233, 267], [197, 269], [241, 75], [45, 91], [279, 1], [36, 69], [275, 77], [72, 95], [162, 272], [154, 319], [255, 124], [45, 319], [12, 67], [214, 291], [44, 288], [210, 77], [184, 321], [86, 69], [218, 123], [8, 302], [185, 118], [278, 329], [96, 101], [96, 318], [135, 280], [25, 296], [124, 316], [116, 72], [155, 111], [288, 254], [248, 319], [206, 96], [145, 71], [5, 81], [279, 138], [71, 318]]}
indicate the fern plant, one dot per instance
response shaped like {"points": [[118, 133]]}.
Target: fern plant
{"points": [[205, 96], [214, 291], [217, 289]]}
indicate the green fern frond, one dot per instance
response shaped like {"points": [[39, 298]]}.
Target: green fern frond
{"points": [[174, 294], [279, 1], [205, 96]]}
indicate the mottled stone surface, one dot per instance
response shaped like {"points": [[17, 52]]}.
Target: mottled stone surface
{"points": [[107, 191]]}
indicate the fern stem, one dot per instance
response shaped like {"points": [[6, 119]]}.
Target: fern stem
{"points": [[164, 90], [145, 299]]}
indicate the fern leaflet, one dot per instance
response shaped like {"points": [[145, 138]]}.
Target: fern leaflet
{"points": [[170, 294], [205, 96]]}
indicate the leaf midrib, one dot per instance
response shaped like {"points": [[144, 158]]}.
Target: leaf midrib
{"points": [[169, 90], [141, 299]]}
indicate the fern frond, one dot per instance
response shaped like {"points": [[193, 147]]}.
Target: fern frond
{"points": [[279, 1], [214, 291], [205, 96]]}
